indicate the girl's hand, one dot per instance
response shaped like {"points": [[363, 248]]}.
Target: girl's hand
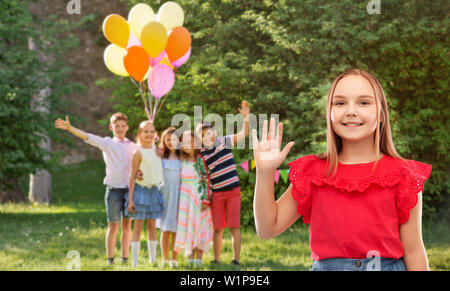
{"points": [[245, 109], [204, 207], [139, 175], [159, 152], [63, 124], [131, 207], [267, 154]]}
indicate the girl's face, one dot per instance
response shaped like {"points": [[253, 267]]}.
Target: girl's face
{"points": [[187, 145], [148, 134], [353, 109], [171, 141]]}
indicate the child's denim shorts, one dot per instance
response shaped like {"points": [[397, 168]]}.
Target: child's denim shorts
{"points": [[115, 203], [375, 264]]}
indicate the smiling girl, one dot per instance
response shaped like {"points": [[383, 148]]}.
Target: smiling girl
{"points": [[362, 201], [145, 202]]}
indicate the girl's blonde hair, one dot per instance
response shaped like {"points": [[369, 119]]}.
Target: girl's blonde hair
{"points": [[383, 135], [141, 128]]}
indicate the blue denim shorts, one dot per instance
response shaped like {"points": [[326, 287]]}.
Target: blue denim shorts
{"points": [[115, 203], [375, 264]]}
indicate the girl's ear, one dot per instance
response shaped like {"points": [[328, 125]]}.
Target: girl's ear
{"points": [[110, 127]]}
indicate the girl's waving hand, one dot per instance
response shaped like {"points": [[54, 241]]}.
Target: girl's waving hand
{"points": [[267, 154]]}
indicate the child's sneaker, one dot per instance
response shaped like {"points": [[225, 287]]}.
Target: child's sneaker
{"points": [[110, 261], [173, 264]]}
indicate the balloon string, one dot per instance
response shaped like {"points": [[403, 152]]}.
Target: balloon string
{"points": [[149, 96], [160, 106], [154, 110], [142, 95], [134, 83]]}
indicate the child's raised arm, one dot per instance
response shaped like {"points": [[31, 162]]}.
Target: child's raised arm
{"points": [[271, 217], [135, 162], [245, 111], [65, 125]]}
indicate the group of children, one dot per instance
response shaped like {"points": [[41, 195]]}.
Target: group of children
{"points": [[190, 194]]}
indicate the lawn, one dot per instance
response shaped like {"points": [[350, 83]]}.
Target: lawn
{"points": [[35, 237]]}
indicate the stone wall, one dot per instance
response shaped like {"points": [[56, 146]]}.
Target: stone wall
{"points": [[87, 66]]}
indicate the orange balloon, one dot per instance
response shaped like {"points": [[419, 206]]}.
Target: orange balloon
{"points": [[178, 43], [137, 63]]}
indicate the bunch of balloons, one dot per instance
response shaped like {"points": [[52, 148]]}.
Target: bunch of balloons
{"points": [[148, 47]]}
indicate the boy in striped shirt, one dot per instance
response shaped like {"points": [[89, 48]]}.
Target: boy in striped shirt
{"points": [[226, 192]]}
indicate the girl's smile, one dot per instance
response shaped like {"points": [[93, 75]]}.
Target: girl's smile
{"points": [[354, 111], [148, 134], [171, 141], [187, 145]]}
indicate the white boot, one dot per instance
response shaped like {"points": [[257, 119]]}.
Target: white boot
{"points": [[152, 244], [135, 246]]}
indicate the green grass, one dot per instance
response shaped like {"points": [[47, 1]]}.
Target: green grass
{"points": [[36, 237]]}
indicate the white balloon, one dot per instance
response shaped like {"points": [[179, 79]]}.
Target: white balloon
{"points": [[113, 58], [139, 16], [170, 15]]}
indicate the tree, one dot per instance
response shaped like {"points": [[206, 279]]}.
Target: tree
{"points": [[22, 75]]}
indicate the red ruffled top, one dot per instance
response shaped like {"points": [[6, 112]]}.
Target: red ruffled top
{"points": [[356, 211]]}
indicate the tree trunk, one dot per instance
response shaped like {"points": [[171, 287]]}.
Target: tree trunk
{"points": [[13, 194], [41, 182]]}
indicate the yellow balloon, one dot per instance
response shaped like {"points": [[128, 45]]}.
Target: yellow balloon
{"points": [[170, 15], [154, 38], [139, 16], [113, 57], [116, 30], [166, 62], [146, 74]]}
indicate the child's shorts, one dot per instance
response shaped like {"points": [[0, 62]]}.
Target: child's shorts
{"points": [[115, 201], [383, 264], [226, 208]]}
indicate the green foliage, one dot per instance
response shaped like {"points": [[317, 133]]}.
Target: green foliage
{"points": [[22, 75], [282, 56]]}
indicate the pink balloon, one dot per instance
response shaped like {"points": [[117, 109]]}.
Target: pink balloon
{"points": [[133, 41], [161, 80], [158, 59], [178, 63]]}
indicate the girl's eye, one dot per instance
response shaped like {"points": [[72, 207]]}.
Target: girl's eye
{"points": [[339, 103], [365, 102]]}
